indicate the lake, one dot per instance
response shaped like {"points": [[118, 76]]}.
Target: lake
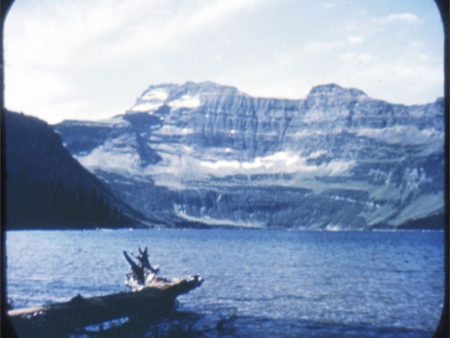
{"points": [[258, 283]]}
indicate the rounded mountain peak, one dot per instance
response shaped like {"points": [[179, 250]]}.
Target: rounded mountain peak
{"points": [[208, 86], [204, 88], [332, 89]]}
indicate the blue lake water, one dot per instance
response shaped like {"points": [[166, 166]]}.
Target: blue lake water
{"points": [[257, 282]]}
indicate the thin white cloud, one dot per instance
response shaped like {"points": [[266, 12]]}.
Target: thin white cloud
{"points": [[69, 45], [150, 35], [322, 46], [356, 57], [386, 79], [328, 5], [332, 45], [377, 25], [355, 40], [401, 18], [73, 58]]}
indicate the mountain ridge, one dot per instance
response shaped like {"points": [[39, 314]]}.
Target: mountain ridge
{"points": [[194, 146]]}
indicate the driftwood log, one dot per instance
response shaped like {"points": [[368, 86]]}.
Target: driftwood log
{"points": [[149, 303], [60, 319], [142, 269]]}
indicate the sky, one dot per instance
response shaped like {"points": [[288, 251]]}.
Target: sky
{"points": [[90, 60]]}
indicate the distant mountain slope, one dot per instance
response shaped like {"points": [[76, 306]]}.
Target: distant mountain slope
{"points": [[203, 153], [47, 188]]}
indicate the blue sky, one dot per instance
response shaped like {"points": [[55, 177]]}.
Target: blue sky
{"points": [[76, 59]]}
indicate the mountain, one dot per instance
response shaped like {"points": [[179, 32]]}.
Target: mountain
{"points": [[47, 188], [207, 154]]}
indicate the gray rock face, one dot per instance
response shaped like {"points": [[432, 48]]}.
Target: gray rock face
{"points": [[203, 153]]}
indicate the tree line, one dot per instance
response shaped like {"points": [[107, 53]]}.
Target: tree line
{"points": [[31, 203]]}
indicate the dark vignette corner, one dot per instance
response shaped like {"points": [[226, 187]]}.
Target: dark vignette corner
{"points": [[443, 327], [6, 328]]}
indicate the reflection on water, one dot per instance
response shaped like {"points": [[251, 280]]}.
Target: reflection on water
{"points": [[223, 322], [257, 283]]}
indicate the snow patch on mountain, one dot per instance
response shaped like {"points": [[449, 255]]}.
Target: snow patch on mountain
{"points": [[185, 101], [170, 130], [155, 95], [150, 100], [335, 159], [178, 210], [282, 162], [145, 107]]}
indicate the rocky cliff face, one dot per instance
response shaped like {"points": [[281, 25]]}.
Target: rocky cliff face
{"points": [[202, 153]]}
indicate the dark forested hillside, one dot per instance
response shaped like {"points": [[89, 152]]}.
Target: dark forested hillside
{"points": [[47, 188]]}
